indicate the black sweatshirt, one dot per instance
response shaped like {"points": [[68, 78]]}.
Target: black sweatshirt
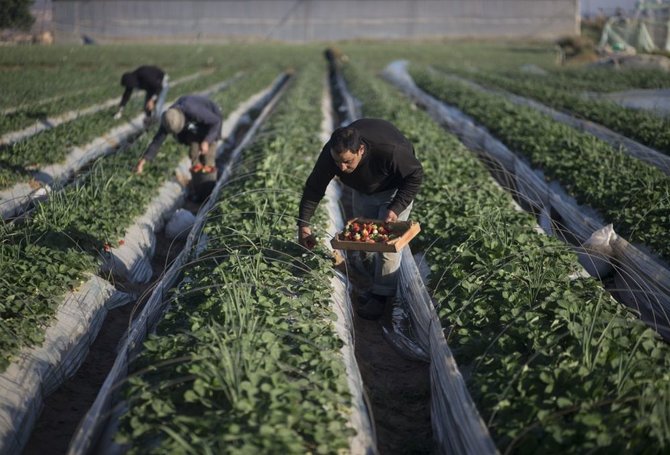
{"points": [[149, 78], [203, 122], [388, 163]]}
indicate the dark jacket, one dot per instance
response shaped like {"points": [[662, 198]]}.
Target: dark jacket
{"points": [[388, 163], [149, 78], [203, 122]]}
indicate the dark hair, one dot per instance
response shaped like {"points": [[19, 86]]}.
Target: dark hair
{"points": [[344, 139]]}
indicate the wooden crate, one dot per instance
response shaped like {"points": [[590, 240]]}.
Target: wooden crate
{"points": [[407, 230]]}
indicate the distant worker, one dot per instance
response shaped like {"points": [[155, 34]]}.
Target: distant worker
{"points": [[193, 120], [151, 79], [373, 158]]}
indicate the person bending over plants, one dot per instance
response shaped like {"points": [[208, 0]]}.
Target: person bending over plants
{"points": [[193, 120], [378, 163], [151, 79]]}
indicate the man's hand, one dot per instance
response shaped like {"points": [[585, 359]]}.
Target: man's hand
{"points": [[305, 237], [140, 166], [204, 148], [150, 105], [391, 217], [118, 114]]}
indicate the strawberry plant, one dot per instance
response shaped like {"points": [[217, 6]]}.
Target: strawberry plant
{"points": [[646, 127], [246, 360], [553, 363], [633, 195], [52, 146], [49, 254]]}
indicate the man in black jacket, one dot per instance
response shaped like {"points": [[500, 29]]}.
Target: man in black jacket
{"points": [[151, 79], [193, 120], [373, 158]]}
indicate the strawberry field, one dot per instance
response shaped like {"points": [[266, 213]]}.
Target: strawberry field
{"points": [[241, 341]]}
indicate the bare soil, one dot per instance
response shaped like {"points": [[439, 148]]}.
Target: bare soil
{"points": [[64, 409], [398, 389]]}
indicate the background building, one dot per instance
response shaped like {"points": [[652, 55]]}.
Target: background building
{"points": [[310, 20]]}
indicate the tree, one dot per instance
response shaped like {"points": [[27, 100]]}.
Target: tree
{"points": [[16, 14]]}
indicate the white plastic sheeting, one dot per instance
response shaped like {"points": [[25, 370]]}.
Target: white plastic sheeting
{"points": [[180, 224], [616, 140], [457, 426], [97, 417], [364, 441], [643, 280], [132, 260], [14, 200], [39, 371], [52, 122], [657, 101]]}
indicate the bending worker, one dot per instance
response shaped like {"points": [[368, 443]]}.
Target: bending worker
{"points": [[151, 79], [373, 158], [193, 120]]}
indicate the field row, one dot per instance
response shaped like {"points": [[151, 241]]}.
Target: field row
{"points": [[247, 359]]}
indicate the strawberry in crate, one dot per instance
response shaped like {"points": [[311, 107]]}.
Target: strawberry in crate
{"points": [[370, 232], [199, 167]]}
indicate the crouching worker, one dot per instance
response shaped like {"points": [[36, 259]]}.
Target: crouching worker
{"points": [[151, 79], [194, 121], [373, 158]]}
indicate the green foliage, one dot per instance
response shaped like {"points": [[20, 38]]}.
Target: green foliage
{"points": [[631, 194], [53, 145], [246, 360], [49, 254], [561, 92], [552, 362], [16, 14]]}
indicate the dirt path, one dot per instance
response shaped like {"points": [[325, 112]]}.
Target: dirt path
{"points": [[398, 389], [64, 409]]}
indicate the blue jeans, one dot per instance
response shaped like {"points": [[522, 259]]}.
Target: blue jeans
{"points": [[386, 264]]}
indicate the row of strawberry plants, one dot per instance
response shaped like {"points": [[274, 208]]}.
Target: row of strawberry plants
{"points": [[595, 79], [552, 361], [246, 360], [66, 236], [39, 86], [41, 82], [53, 145], [646, 127], [24, 117], [631, 194]]}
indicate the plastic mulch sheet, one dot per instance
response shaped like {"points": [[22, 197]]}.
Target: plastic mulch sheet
{"points": [[39, 371], [616, 140], [99, 418], [14, 200], [643, 279], [132, 260], [457, 426]]}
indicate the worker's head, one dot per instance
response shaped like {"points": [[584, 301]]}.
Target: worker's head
{"points": [[130, 80], [346, 149], [173, 120]]}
